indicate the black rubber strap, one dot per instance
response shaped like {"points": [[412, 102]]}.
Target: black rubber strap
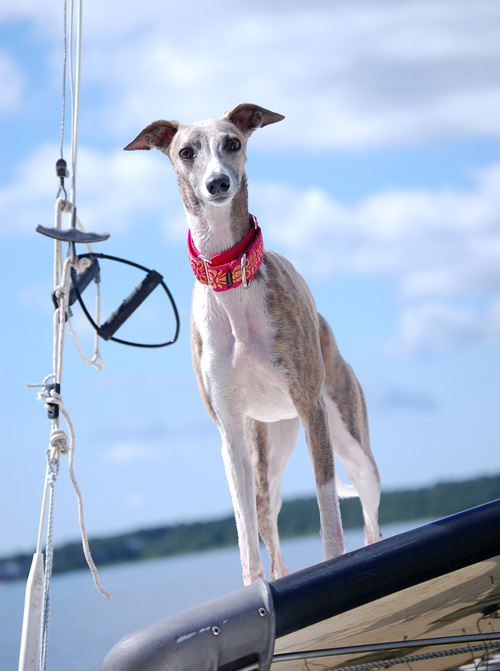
{"points": [[129, 305]]}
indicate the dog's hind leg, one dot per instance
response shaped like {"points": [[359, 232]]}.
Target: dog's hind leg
{"points": [[348, 420], [316, 427], [361, 470], [271, 445], [363, 475]]}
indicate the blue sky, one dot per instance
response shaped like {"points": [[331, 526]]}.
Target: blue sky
{"points": [[382, 185]]}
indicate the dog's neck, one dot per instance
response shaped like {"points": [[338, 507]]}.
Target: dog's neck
{"points": [[216, 228]]}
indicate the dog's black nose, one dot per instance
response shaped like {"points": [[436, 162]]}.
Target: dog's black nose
{"points": [[218, 184]]}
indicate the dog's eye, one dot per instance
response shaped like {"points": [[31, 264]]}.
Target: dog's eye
{"points": [[233, 145], [186, 153]]}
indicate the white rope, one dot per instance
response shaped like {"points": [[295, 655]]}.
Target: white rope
{"points": [[58, 439], [34, 644], [59, 445], [81, 517], [96, 361]]}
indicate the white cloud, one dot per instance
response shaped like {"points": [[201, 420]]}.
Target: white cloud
{"points": [[124, 453], [441, 247], [354, 76], [117, 189], [11, 84], [437, 328], [393, 232], [29, 198], [346, 75], [135, 501], [46, 20], [122, 189], [388, 398]]}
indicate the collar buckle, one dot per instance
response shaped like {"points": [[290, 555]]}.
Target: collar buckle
{"points": [[244, 281], [206, 263]]}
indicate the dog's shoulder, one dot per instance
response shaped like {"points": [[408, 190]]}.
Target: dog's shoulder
{"points": [[283, 278]]}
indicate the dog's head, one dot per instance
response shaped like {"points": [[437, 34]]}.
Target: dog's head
{"points": [[208, 156]]}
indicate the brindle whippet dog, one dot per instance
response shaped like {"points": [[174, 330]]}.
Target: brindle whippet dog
{"points": [[264, 358]]}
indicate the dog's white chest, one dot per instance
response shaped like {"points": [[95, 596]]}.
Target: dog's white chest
{"points": [[237, 363]]}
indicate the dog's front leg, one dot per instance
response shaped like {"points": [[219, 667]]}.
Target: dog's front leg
{"points": [[239, 473], [222, 406]]}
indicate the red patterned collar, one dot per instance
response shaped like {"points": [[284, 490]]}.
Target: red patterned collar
{"points": [[229, 269]]}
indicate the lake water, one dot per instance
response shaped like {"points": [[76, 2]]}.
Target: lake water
{"points": [[84, 625]]}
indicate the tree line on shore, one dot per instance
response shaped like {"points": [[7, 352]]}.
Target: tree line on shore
{"points": [[298, 517]]}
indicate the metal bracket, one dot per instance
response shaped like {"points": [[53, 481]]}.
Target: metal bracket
{"points": [[53, 409], [235, 631], [244, 281], [71, 234]]}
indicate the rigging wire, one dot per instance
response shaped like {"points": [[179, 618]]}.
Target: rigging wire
{"points": [[74, 77], [35, 630], [65, 58], [61, 165], [462, 643]]}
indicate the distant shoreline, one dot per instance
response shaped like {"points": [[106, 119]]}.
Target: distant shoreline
{"points": [[298, 517]]}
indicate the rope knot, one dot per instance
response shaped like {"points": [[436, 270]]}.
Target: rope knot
{"points": [[59, 441], [82, 264], [59, 291], [63, 205]]}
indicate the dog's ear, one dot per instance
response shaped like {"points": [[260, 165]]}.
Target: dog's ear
{"points": [[158, 134], [248, 117]]}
